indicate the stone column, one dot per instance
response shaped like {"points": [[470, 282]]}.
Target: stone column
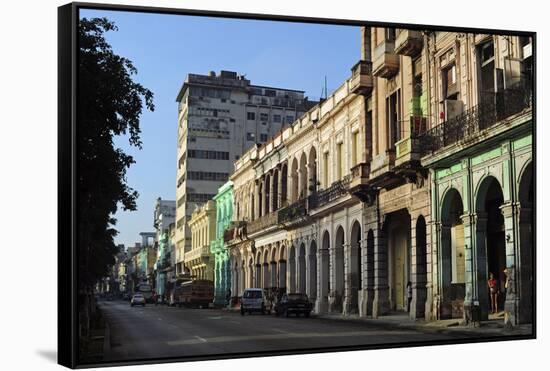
{"points": [[418, 274], [350, 279], [445, 279], [311, 277], [434, 284], [381, 302], [321, 304], [468, 221], [480, 293], [290, 186], [265, 197], [367, 290], [525, 266], [241, 281], [297, 275], [257, 199], [510, 211]]}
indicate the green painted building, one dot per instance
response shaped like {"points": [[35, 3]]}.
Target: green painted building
{"points": [[224, 214], [481, 172]]}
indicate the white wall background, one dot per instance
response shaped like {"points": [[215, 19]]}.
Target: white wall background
{"points": [[28, 155]]}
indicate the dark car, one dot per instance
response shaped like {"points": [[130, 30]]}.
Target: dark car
{"points": [[294, 303]]}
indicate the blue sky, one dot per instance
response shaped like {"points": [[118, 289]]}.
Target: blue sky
{"points": [[165, 48]]}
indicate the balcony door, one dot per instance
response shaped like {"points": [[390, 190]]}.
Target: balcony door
{"points": [[393, 113]]}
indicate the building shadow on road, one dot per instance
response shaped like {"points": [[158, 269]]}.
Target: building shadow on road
{"points": [[50, 355]]}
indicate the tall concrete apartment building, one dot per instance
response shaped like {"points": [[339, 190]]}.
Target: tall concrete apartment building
{"points": [[220, 116]]}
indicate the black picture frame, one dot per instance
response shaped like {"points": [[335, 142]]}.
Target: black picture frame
{"points": [[68, 17]]}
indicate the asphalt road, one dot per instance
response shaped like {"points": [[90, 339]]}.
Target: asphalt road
{"points": [[162, 331]]}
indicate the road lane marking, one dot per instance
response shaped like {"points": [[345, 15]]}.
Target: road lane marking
{"points": [[288, 335], [281, 331], [200, 339]]}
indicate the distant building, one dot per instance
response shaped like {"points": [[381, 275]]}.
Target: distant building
{"points": [[219, 118], [164, 216]]}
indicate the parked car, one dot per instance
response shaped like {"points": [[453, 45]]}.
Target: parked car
{"points": [[126, 297], [294, 303], [255, 300], [137, 299]]}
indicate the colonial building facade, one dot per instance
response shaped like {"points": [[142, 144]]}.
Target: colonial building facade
{"points": [[479, 154], [224, 216], [416, 171], [199, 261]]}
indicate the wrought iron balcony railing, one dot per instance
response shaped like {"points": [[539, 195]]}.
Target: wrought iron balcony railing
{"points": [[293, 211], [265, 221], [236, 229], [492, 108], [325, 196]]}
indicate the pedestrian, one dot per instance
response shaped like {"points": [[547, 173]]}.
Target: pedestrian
{"points": [[409, 296], [493, 292]]}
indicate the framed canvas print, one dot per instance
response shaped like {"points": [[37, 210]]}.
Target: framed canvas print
{"points": [[229, 186]]}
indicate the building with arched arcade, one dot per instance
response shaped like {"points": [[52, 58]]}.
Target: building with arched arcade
{"points": [[416, 171]]}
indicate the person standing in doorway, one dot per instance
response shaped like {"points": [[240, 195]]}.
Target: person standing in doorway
{"points": [[493, 292], [409, 296]]}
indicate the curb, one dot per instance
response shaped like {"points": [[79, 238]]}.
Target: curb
{"points": [[418, 327]]}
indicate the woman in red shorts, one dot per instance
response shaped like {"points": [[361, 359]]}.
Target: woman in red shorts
{"points": [[493, 292]]}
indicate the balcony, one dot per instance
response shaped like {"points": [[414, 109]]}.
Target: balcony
{"points": [[262, 223], [235, 231], [408, 148], [359, 184], [385, 62], [294, 214], [492, 109], [335, 191], [198, 253], [409, 43], [361, 78]]}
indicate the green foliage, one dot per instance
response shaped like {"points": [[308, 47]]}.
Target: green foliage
{"points": [[110, 103]]}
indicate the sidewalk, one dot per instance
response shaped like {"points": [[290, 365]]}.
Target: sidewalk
{"points": [[494, 326]]}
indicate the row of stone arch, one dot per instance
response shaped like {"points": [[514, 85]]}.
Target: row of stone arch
{"points": [[493, 236], [343, 271]]}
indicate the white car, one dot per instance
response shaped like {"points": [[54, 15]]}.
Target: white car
{"points": [[137, 299], [255, 300]]}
